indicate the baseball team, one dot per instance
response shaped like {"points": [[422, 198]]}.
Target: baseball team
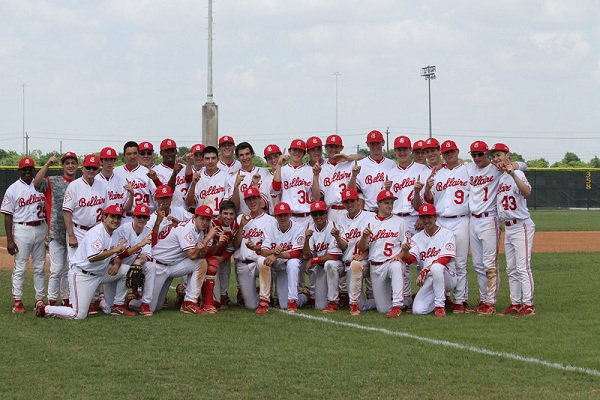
{"points": [[334, 232]]}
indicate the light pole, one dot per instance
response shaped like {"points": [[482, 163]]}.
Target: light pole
{"points": [[23, 86], [428, 73], [337, 74]]}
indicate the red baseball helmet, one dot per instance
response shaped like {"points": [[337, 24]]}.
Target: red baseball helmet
{"points": [[146, 146], [198, 148], [226, 139], [431, 143], [68, 154], [500, 147], [419, 145], [298, 144], [251, 192], [478, 146]]}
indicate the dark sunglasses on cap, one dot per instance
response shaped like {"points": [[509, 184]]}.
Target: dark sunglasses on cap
{"points": [[91, 168], [146, 153], [477, 154]]}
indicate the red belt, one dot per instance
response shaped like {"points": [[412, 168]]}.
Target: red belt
{"points": [[85, 228], [403, 214], [457, 216], [511, 222], [376, 263], [300, 215], [34, 223], [482, 215], [336, 207]]}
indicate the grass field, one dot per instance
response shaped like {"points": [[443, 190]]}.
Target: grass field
{"points": [[236, 354], [545, 220]]}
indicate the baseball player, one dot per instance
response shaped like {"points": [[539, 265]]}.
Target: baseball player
{"points": [[180, 253], [137, 176], [195, 162], [171, 172], [117, 191], [448, 191], [513, 190], [370, 177], [90, 267], [383, 237], [484, 230], [350, 226], [24, 210], [226, 148], [314, 148], [431, 149], [54, 188], [272, 154], [208, 185], [248, 241], [136, 236], [418, 152], [323, 255], [146, 155], [432, 248], [281, 251], [83, 203], [166, 216]]}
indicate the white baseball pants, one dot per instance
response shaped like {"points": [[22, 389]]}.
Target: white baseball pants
{"points": [[327, 282], [460, 227], [247, 273], [31, 242], [388, 285], [165, 274], [432, 294], [518, 241], [286, 277], [484, 238], [58, 282]]}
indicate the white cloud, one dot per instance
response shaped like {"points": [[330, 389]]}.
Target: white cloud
{"points": [[487, 95], [563, 47], [241, 78]]}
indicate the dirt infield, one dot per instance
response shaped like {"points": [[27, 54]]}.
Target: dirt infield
{"points": [[544, 242]]}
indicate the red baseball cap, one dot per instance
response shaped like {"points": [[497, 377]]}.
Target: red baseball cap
{"points": [[108, 153], [141, 210], [431, 143], [401, 142], [500, 147], [313, 142], [226, 139], [271, 149], [91, 160], [26, 162], [375, 137], [318, 206], [163, 191], [146, 146], [419, 144], [69, 154], [349, 194], [335, 140], [478, 145], [384, 195], [204, 211], [251, 192], [448, 145], [114, 209], [168, 144], [426, 209], [298, 144], [282, 208], [198, 148]]}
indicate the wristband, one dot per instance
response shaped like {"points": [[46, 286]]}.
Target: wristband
{"points": [[315, 260]]}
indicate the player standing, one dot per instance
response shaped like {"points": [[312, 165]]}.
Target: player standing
{"points": [[146, 155], [208, 185], [226, 148], [272, 154], [171, 172], [513, 190], [117, 191], [24, 210], [418, 152]]}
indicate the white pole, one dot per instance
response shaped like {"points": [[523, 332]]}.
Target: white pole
{"points": [[210, 39]]}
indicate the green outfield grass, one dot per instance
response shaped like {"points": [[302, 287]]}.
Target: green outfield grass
{"points": [[237, 354]]}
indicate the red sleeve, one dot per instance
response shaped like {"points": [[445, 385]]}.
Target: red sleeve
{"points": [[188, 178], [411, 259], [295, 253], [276, 186], [157, 182], [443, 260], [48, 195]]}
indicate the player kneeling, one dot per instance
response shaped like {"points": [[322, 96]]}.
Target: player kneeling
{"points": [[433, 249], [90, 267], [322, 253]]}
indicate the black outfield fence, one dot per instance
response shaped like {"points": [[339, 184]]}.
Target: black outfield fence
{"points": [[552, 187]]}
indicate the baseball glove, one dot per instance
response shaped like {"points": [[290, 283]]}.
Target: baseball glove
{"points": [[135, 277]]}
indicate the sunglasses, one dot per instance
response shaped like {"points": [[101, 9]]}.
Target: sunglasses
{"points": [[91, 168], [146, 153], [142, 217], [318, 213], [477, 154]]}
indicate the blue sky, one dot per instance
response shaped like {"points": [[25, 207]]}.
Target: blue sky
{"points": [[100, 73]]}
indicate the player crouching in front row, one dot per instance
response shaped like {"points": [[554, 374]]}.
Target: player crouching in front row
{"points": [[433, 249]]}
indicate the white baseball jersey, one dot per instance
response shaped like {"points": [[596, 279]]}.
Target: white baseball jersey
{"points": [[210, 189], [232, 168], [265, 191], [171, 249], [273, 198], [403, 186], [351, 230], [24, 203], [255, 231], [143, 187], [166, 225], [386, 237], [164, 173], [85, 202], [296, 187], [451, 191], [322, 242], [94, 242], [291, 239], [511, 203], [371, 179], [125, 233], [484, 187], [333, 180], [427, 249], [113, 189]]}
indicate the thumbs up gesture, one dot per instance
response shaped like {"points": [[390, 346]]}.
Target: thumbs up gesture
{"points": [[308, 233], [355, 168], [367, 231], [316, 169], [387, 184]]}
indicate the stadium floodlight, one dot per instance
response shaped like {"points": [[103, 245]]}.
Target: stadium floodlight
{"points": [[428, 73]]}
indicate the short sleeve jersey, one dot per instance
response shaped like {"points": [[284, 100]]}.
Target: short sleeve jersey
{"points": [[85, 202], [322, 242], [254, 230], [24, 203], [95, 241], [451, 191], [511, 203], [143, 187], [290, 239], [427, 249], [296, 187], [371, 179], [403, 186], [210, 189], [125, 233], [164, 173], [351, 230], [387, 235], [333, 180], [171, 249]]}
